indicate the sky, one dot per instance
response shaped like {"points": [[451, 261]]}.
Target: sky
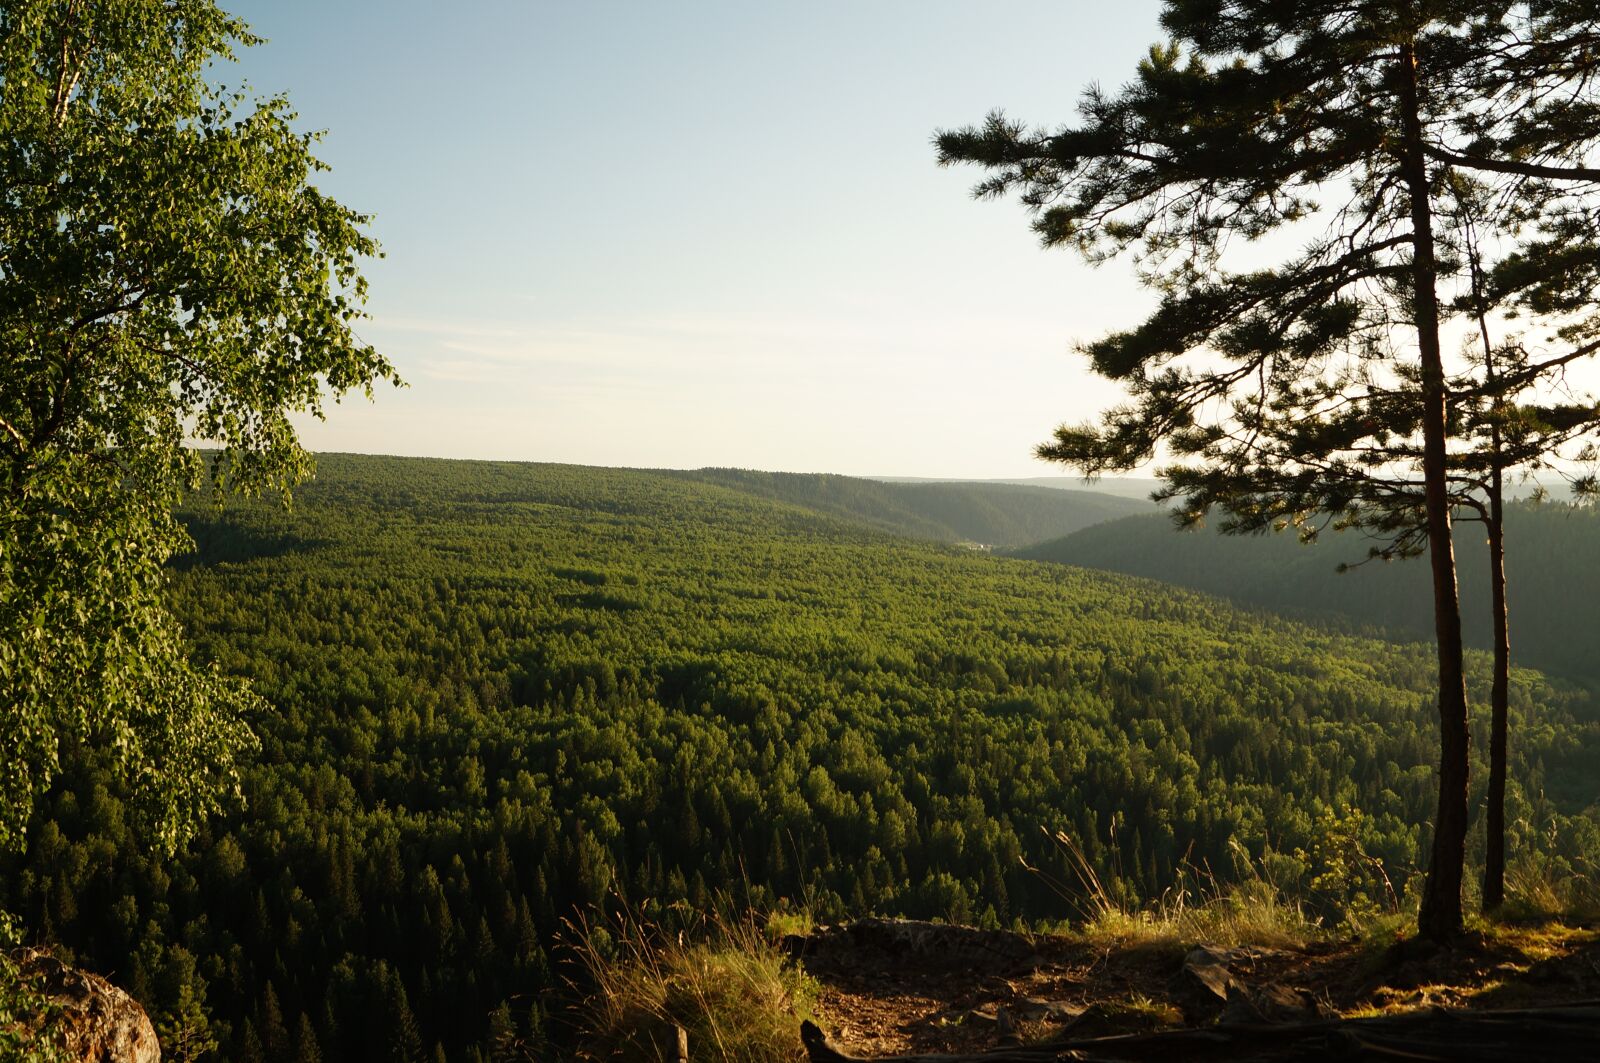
{"points": [[705, 232]]}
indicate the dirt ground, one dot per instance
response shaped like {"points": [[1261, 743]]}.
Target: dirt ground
{"points": [[892, 987]]}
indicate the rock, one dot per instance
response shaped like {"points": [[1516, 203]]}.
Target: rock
{"points": [[1203, 986], [1032, 1009], [1100, 1019], [1209, 956], [1005, 1030], [1093, 1021], [1270, 1004], [95, 1022], [1244, 956]]}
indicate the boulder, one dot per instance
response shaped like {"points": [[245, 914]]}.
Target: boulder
{"points": [[1033, 1009], [1270, 1004], [94, 1020], [1203, 985]]}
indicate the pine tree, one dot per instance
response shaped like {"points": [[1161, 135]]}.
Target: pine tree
{"points": [[504, 1044], [1332, 127], [249, 1049]]}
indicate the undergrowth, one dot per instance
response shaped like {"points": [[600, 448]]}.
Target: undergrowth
{"points": [[1541, 888], [719, 979], [1200, 907], [24, 1009], [723, 983]]}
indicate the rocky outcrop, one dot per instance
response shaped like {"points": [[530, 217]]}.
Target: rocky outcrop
{"points": [[92, 1019], [1209, 988]]}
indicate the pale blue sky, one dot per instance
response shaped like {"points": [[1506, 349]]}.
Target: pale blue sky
{"points": [[703, 233]]}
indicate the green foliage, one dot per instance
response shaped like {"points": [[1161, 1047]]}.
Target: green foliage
{"points": [[997, 515], [1351, 882], [504, 693], [1553, 590], [24, 1009], [170, 272]]}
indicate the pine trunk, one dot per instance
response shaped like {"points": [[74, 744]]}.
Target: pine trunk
{"points": [[1440, 917], [1494, 860]]}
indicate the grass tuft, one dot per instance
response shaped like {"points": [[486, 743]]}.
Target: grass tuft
{"points": [[720, 980], [1540, 889], [1248, 913], [788, 922], [1199, 909]]}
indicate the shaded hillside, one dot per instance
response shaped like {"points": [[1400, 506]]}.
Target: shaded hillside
{"points": [[992, 514], [498, 695], [1552, 565], [1138, 488]]}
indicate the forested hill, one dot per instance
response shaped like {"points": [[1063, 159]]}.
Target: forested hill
{"points": [[498, 695], [1137, 488], [1552, 566], [991, 514]]}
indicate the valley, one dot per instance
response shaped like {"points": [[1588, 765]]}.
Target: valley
{"points": [[503, 695]]}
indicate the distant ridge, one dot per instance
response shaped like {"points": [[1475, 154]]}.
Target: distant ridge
{"points": [[1142, 487], [1135, 487], [977, 512], [1552, 563]]}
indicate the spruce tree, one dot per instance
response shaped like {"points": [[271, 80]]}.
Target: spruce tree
{"points": [[403, 1036], [306, 1047], [273, 1031]]}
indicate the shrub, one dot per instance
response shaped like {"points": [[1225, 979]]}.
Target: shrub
{"points": [[24, 1008]]}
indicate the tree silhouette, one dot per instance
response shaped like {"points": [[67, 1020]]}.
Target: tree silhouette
{"points": [[1329, 129]]}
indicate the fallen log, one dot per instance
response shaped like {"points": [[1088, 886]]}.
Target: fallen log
{"points": [[1530, 1035]]}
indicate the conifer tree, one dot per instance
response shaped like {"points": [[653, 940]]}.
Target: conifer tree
{"points": [[249, 1050], [1331, 128], [274, 1032], [306, 1047], [402, 1035]]}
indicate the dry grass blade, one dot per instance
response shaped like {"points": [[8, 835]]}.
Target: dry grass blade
{"points": [[1199, 908], [720, 980]]}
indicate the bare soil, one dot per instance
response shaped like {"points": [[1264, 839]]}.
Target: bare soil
{"points": [[893, 987]]}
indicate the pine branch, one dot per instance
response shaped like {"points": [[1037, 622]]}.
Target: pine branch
{"points": [[1520, 169]]}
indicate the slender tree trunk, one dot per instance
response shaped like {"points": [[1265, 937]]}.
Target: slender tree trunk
{"points": [[1440, 917], [1494, 860]]}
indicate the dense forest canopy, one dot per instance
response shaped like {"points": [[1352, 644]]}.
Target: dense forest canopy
{"points": [[1554, 599], [984, 514], [504, 693]]}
